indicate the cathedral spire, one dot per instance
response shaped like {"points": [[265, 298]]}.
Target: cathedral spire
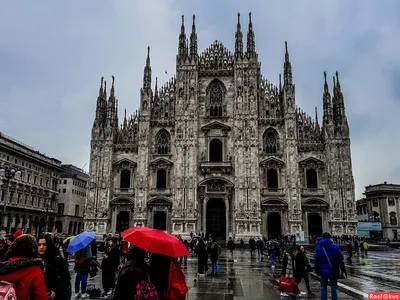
{"points": [[251, 44], [182, 47], [193, 39], [112, 86], [101, 87], [287, 67], [339, 105], [238, 39], [327, 104], [147, 72], [156, 90]]}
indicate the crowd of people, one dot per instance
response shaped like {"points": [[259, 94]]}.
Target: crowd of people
{"points": [[36, 269]]}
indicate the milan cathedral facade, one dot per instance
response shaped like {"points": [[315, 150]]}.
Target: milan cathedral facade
{"points": [[221, 150]]}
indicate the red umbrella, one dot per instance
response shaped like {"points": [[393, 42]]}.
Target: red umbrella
{"points": [[155, 241]]}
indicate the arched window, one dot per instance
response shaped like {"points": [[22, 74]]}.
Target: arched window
{"points": [[272, 179], [393, 219], [125, 180], [216, 150], [312, 179], [376, 217], [270, 141], [163, 142], [161, 179], [216, 95]]}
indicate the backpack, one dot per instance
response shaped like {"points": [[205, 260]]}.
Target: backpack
{"points": [[145, 290], [177, 288], [7, 291]]}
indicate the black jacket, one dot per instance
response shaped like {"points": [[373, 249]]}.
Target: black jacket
{"points": [[58, 278], [128, 276]]}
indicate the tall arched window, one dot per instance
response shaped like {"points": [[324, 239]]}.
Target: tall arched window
{"points": [[161, 179], [272, 179], [216, 150], [125, 180], [393, 219], [163, 142], [216, 95], [270, 141], [312, 179]]}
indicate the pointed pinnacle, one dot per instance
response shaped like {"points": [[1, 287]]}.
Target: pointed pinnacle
{"points": [[325, 76], [250, 17]]}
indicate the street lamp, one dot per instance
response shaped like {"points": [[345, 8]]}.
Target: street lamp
{"points": [[9, 173]]}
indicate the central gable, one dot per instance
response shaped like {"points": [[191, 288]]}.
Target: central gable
{"points": [[216, 125]]}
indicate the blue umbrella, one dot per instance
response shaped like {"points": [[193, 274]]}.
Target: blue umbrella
{"points": [[80, 241]]}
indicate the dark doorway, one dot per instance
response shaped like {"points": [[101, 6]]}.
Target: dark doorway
{"points": [[216, 219], [274, 227], [125, 182], [314, 224], [160, 220], [216, 150], [272, 179], [59, 226], [312, 180], [161, 179], [122, 221]]}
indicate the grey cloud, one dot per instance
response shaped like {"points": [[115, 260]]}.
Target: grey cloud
{"points": [[52, 56]]}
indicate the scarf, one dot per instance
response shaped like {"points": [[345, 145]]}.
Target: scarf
{"points": [[289, 266]]}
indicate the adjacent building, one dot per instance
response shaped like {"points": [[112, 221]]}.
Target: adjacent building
{"points": [[72, 190], [378, 212], [220, 149], [27, 201]]}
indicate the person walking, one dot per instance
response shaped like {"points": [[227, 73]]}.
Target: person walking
{"points": [[302, 268], [327, 259]]}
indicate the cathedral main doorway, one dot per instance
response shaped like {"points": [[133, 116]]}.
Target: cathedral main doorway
{"points": [[122, 221], [274, 226], [314, 224], [216, 219], [160, 220]]}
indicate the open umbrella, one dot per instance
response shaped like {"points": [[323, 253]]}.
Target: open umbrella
{"points": [[155, 241], [80, 241]]}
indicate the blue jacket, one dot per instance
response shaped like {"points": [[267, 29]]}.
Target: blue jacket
{"points": [[321, 263]]}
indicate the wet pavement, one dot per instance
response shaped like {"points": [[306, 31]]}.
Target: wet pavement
{"points": [[248, 278]]}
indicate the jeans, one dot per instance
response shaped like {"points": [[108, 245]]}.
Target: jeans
{"points": [[272, 258], [81, 279], [324, 287], [215, 266]]}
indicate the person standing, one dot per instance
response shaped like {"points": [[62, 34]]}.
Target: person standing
{"points": [[201, 257], [109, 266], [56, 273], [83, 259], [231, 247], [327, 259], [349, 248], [252, 245], [214, 255]]}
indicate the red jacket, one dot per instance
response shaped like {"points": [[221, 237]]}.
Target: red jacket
{"points": [[27, 276]]}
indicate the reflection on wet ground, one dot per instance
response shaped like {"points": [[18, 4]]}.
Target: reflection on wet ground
{"points": [[248, 278]]}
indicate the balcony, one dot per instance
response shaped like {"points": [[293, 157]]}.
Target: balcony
{"points": [[312, 192], [272, 192], [161, 192], [224, 167], [124, 192]]}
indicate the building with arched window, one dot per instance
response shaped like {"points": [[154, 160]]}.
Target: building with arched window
{"points": [[380, 208], [221, 150]]}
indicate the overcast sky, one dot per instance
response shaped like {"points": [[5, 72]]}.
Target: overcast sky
{"points": [[53, 53]]}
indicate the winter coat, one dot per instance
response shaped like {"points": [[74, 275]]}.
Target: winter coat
{"points": [[128, 276], [321, 263], [83, 267], [215, 252], [57, 277], [111, 263], [288, 265], [301, 264], [27, 276]]}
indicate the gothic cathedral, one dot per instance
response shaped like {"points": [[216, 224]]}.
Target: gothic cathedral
{"points": [[220, 150]]}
